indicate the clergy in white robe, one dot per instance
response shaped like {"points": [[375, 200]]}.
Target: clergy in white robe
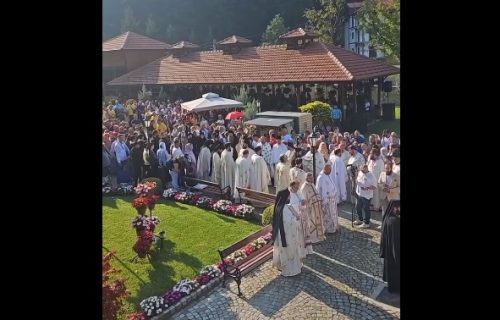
{"points": [[290, 154], [375, 166], [298, 202], [260, 177], [308, 162], [216, 166], [339, 175], [203, 163], [287, 236], [227, 168], [282, 175], [296, 173], [328, 193], [242, 174], [314, 209], [278, 149]]}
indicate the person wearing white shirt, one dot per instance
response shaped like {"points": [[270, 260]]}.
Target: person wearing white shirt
{"points": [[365, 184], [121, 150]]}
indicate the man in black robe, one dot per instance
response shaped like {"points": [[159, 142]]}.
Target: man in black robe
{"points": [[390, 246], [282, 198]]}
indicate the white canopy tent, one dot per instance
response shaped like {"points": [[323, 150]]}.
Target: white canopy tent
{"points": [[210, 101]]}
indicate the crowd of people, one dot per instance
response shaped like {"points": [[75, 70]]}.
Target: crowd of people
{"points": [[154, 139]]}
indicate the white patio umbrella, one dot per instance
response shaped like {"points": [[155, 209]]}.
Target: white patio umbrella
{"points": [[210, 101]]}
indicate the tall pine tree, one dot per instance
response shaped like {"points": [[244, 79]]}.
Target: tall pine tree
{"points": [[274, 30]]}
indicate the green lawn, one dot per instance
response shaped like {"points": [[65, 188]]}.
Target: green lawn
{"points": [[192, 238], [379, 126]]}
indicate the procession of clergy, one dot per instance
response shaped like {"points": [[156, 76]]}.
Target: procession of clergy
{"points": [[306, 207]]}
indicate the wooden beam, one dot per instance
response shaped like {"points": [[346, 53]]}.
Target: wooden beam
{"points": [[379, 91], [355, 97]]}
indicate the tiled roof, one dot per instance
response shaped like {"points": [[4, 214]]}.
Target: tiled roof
{"points": [[316, 62], [299, 32], [234, 39], [133, 41], [184, 45]]}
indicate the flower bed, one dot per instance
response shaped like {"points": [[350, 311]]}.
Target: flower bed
{"points": [[222, 206], [122, 190], [155, 305]]}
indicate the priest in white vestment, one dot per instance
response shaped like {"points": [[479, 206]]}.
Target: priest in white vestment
{"points": [[242, 174], [287, 236], [328, 193], [339, 174], [260, 177], [296, 173], [375, 166], [299, 204], [314, 209], [216, 165], [203, 163], [227, 168], [282, 175], [279, 149]]}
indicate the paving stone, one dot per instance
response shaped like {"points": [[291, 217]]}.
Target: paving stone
{"points": [[333, 284]]}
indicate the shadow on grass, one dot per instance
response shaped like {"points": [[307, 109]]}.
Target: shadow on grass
{"points": [[162, 276], [173, 204], [111, 201]]}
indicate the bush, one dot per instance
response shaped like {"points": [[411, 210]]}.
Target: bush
{"points": [[319, 110], [159, 185], [113, 292], [267, 215]]}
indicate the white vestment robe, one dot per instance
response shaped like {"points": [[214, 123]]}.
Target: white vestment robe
{"points": [[260, 177], [328, 193], [203, 164], [242, 176]]}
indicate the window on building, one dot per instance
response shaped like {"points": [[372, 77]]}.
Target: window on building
{"points": [[352, 22], [352, 35]]}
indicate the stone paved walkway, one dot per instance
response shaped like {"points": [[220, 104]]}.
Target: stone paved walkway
{"points": [[339, 281]]}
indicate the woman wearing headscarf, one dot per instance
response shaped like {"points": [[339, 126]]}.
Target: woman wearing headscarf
{"points": [[191, 159], [323, 149], [163, 159]]}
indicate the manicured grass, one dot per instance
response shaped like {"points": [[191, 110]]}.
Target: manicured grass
{"points": [[379, 126], [193, 236]]}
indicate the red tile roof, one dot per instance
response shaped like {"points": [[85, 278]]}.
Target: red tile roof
{"points": [[316, 62], [133, 41], [184, 45], [235, 39], [299, 32]]}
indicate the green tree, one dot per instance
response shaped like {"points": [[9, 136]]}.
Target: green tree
{"points": [[381, 19], [328, 20], [129, 22], [151, 27], [319, 110], [274, 30]]}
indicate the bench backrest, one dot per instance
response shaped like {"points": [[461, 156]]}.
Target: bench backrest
{"points": [[257, 195], [208, 183], [240, 244]]}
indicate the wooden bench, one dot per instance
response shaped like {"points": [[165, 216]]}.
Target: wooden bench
{"points": [[244, 266], [211, 187], [255, 196]]}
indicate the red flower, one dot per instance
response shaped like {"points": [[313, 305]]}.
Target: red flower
{"points": [[137, 316], [143, 244]]}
